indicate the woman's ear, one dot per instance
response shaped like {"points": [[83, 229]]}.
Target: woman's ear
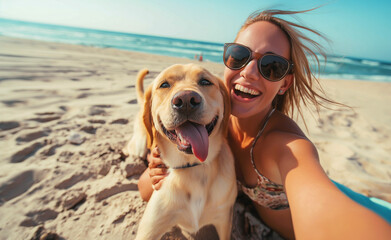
{"points": [[288, 81]]}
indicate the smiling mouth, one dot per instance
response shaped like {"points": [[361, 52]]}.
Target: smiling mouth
{"points": [[192, 138], [245, 92]]}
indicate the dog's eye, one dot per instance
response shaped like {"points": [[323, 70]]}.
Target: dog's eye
{"points": [[165, 85], [204, 82]]}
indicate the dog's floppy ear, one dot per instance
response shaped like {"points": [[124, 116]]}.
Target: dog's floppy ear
{"points": [[147, 117], [227, 106]]}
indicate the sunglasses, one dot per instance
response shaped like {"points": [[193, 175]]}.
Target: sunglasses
{"points": [[272, 67]]}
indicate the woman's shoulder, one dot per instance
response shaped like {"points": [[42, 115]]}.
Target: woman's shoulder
{"points": [[282, 146], [283, 127], [285, 134]]}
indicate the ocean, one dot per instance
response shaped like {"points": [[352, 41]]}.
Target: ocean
{"points": [[337, 67]]}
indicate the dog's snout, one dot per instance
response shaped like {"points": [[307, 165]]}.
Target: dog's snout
{"points": [[186, 101]]}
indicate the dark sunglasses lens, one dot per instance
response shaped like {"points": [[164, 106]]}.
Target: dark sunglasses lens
{"points": [[236, 56], [273, 67]]}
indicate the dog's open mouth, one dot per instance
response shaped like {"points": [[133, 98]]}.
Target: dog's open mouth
{"points": [[192, 138]]}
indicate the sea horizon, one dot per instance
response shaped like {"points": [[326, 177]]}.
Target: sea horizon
{"points": [[336, 67]]}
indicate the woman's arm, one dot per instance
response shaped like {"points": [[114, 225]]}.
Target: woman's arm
{"points": [[153, 177], [319, 209], [145, 185]]}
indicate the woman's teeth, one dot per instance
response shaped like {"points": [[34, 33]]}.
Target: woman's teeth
{"points": [[247, 90]]}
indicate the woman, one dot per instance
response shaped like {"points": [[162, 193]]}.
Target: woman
{"points": [[267, 74]]}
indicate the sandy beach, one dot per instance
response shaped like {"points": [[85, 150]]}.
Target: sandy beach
{"points": [[67, 112]]}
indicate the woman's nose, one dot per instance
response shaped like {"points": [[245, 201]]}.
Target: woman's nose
{"points": [[250, 71]]}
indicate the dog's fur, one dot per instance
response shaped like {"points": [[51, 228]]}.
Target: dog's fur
{"points": [[196, 196]]}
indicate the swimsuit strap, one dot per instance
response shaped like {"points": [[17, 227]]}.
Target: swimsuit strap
{"points": [[267, 118]]}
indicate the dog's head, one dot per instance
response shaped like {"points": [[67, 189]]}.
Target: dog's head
{"points": [[186, 106]]}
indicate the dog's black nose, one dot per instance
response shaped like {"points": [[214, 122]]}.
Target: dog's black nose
{"points": [[186, 101]]}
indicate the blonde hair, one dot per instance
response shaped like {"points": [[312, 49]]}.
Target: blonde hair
{"points": [[306, 87]]}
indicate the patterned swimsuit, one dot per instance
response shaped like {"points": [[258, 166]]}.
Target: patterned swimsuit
{"points": [[266, 193]]}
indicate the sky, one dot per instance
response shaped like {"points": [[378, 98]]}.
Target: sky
{"points": [[356, 28]]}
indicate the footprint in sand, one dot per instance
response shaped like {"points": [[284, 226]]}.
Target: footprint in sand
{"points": [[35, 218], [13, 103], [30, 136], [26, 152], [49, 150], [115, 189], [7, 125], [99, 109], [120, 121], [31, 149], [83, 95], [89, 129], [63, 108], [95, 110], [339, 123], [72, 180], [99, 121], [133, 101], [103, 106], [46, 117], [17, 185]]}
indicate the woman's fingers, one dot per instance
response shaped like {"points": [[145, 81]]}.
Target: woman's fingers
{"points": [[158, 185], [157, 182], [156, 152], [155, 160], [157, 171]]}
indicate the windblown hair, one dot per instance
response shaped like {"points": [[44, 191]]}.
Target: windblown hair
{"points": [[306, 88]]}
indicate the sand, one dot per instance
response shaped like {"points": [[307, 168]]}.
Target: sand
{"points": [[67, 112]]}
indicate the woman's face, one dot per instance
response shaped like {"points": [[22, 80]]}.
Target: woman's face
{"points": [[261, 37]]}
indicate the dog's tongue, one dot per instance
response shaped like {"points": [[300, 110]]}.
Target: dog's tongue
{"points": [[197, 136]]}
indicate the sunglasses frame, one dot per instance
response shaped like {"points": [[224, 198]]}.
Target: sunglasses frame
{"points": [[259, 58]]}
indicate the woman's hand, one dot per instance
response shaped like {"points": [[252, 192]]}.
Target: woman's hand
{"points": [[153, 177], [156, 169]]}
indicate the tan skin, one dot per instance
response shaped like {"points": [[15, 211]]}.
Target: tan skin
{"points": [[318, 210]]}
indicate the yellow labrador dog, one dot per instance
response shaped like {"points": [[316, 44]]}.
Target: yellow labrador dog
{"points": [[185, 113]]}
